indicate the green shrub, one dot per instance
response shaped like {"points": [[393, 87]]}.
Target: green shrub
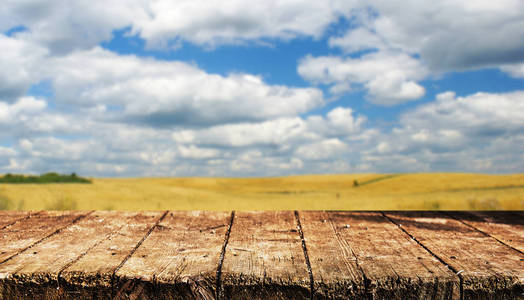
{"points": [[50, 177], [355, 183]]}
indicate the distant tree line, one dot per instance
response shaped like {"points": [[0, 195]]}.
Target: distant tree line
{"points": [[50, 177]]}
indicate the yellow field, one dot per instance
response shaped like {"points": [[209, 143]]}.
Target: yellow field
{"points": [[376, 192]]}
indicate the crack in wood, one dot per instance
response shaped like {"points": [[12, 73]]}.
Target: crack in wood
{"points": [[219, 291], [107, 237], [481, 231], [48, 236], [306, 256], [340, 242], [133, 251], [20, 219], [457, 273]]}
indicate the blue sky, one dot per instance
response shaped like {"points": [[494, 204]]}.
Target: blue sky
{"points": [[221, 88]]}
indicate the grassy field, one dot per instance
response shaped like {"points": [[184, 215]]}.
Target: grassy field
{"points": [[445, 191]]}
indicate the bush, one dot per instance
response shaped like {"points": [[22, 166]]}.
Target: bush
{"points": [[50, 177], [355, 183]]}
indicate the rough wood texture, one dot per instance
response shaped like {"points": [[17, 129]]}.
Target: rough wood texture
{"points": [[178, 260], [92, 274], [488, 269], [8, 218], [264, 258], [38, 271], [29, 231], [393, 264], [250, 255], [335, 271], [506, 227]]}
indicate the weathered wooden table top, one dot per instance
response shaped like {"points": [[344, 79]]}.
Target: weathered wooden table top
{"points": [[261, 255]]}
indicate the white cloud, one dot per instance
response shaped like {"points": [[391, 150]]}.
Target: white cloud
{"points": [[31, 116], [482, 132], [389, 77], [63, 27], [515, 70], [163, 93], [477, 115], [278, 132], [340, 122], [17, 63], [211, 23], [21, 109], [448, 35], [192, 151], [358, 39], [323, 150], [274, 132]]}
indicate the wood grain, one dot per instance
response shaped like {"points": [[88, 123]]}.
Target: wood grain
{"points": [[29, 231], [505, 227], [264, 258], [9, 217], [38, 270], [395, 266], [178, 260], [261, 255], [335, 272], [488, 269], [93, 272]]}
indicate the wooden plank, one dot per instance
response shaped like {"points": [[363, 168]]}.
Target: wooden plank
{"points": [[178, 260], [335, 271], [506, 227], [95, 269], [264, 258], [9, 217], [487, 268], [27, 232], [38, 270], [395, 266]]}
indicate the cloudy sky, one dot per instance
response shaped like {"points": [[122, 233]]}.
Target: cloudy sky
{"points": [[263, 88]]}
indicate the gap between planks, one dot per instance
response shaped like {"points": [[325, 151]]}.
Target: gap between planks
{"points": [[306, 256], [48, 236], [133, 251], [218, 289], [340, 242], [29, 215], [481, 231], [431, 253]]}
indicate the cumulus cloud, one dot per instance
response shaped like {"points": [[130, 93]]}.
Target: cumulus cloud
{"points": [[63, 26], [218, 22], [340, 122], [477, 115], [514, 70], [83, 24], [325, 149], [111, 114], [31, 116], [448, 35], [163, 93], [390, 78], [17, 63], [480, 132]]}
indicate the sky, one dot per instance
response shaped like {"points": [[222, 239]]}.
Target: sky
{"points": [[265, 88]]}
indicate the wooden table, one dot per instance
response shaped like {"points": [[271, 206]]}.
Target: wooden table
{"points": [[261, 255]]}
